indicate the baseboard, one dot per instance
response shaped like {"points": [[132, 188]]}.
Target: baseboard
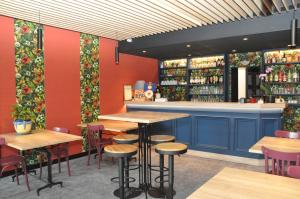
{"points": [[229, 158]]}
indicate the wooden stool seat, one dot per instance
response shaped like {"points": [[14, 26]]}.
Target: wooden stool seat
{"points": [[171, 148], [157, 139], [126, 138], [121, 150]]}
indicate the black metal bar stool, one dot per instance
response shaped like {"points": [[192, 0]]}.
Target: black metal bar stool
{"points": [[170, 149], [123, 152], [131, 192], [158, 192]]}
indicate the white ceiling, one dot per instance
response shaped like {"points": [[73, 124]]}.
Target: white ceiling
{"points": [[122, 19]]}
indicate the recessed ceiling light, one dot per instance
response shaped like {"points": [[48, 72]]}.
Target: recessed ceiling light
{"points": [[189, 55], [234, 50], [245, 38], [144, 51], [188, 45], [129, 40]]}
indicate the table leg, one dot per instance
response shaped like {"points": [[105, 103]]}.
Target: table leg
{"points": [[49, 165]]}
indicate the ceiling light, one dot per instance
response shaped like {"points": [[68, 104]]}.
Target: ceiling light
{"points": [[189, 55], [245, 38], [188, 45], [129, 40], [234, 50], [144, 51]]}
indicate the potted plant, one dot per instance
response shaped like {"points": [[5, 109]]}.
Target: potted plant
{"points": [[23, 118], [265, 87]]}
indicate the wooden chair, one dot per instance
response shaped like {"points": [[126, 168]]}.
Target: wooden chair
{"points": [[95, 140], [287, 134], [280, 161], [60, 150], [294, 171], [13, 161]]}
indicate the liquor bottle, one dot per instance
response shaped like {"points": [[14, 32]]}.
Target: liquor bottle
{"points": [[222, 62], [295, 76], [270, 77], [284, 78], [280, 76], [289, 79], [284, 58], [276, 77], [221, 79]]}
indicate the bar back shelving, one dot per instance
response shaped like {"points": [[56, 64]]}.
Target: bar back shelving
{"points": [[173, 79]]}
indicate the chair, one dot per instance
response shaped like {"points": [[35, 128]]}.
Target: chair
{"points": [[60, 150], [13, 161], [287, 134], [280, 161], [95, 140], [294, 171]]}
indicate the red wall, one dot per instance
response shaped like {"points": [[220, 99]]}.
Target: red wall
{"points": [[62, 85], [7, 74], [62, 77], [113, 77]]}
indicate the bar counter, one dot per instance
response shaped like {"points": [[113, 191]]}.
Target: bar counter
{"points": [[225, 128]]}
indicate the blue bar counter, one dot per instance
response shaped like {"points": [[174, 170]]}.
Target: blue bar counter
{"points": [[225, 128]]}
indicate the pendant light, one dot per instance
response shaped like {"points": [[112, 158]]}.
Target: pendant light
{"points": [[294, 24], [40, 33]]}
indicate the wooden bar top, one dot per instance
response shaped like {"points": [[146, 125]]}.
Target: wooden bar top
{"points": [[276, 143], [209, 106], [146, 117], [113, 125], [233, 183], [38, 139]]}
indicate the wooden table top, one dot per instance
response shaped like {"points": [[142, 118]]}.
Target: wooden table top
{"points": [[275, 143], [38, 139], [233, 183], [113, 125], [146, 117]]}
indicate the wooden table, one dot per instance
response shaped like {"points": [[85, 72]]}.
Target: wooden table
{"points": [[39, 140], [233, 183], [276, 143], [112, 125], [144, 119]]}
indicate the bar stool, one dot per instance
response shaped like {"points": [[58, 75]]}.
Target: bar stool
{"points": [[123, 152], [170, 149], [126, 138], [158, 192]]}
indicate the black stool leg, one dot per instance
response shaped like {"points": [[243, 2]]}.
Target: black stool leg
{"points": [[161, 172], [126, 173], [171, 177], [121, 178]]}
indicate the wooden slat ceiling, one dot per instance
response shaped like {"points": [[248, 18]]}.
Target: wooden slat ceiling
{"points": [[122, 19]]}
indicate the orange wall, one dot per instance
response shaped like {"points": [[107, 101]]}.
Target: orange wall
{"points": [[62, 85], [113, 77], [62, 77]]}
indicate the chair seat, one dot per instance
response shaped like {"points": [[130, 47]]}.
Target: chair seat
{"points": [[126, 138], [11, 160], [171, 148], [121, 150], [156, 139]]}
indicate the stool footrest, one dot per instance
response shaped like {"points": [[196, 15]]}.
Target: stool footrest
{"points": [[158, 170]]}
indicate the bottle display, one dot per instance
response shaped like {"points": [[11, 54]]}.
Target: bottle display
{"points": [[206, 82], [173, 79], [282, 56]]}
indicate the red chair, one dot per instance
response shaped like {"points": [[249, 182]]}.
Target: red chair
{"points": [[294, 171], [95, 140], [280, 161], [287, 134], [60, 150], [13, 161]]}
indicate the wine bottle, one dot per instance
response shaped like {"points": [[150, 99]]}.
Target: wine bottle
{"points": [[289, 79], [276, 77]]}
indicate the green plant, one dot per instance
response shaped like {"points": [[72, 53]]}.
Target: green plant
{"points": [[22, 113], [265, 88]]}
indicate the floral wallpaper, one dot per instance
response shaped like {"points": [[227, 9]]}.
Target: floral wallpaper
{"points": [[29, 72], [89, 80]]}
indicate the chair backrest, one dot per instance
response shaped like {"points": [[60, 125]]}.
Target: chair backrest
{"points": [[61, 129], [280, 160], [94, 134], [287, 134], [2, 141], [294, 171]]}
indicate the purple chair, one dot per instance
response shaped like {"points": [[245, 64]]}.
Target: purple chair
{"points": [[13, 161], [95, 140], [287, 134], [280, 161], [60, 150], [294, 171]]}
